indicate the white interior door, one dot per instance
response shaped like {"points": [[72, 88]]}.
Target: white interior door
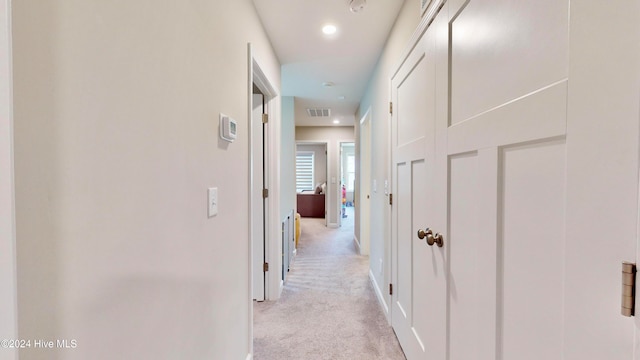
{"points": [[506, 171], [363, 202], [258, 202], [494, 144], [418, 272]]}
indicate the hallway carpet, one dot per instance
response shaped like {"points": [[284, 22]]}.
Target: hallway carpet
{"points": [[328, 309]]}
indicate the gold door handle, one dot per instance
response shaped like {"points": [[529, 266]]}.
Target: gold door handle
{"points": [[424, 233], [437, 239]]}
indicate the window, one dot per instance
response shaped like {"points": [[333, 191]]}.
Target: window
{"points": [[351, 172], [304, 171]]}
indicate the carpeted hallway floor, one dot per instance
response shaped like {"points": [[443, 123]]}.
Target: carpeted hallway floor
{"points": [[328, 309]]}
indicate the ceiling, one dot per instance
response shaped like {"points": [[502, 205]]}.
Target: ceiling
{"points": [[310, 58]]}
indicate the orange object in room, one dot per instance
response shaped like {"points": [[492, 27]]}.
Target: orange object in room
{"points": [[298, 230]]}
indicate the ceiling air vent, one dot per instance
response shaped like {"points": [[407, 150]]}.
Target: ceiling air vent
{"points": [[319, 112]]}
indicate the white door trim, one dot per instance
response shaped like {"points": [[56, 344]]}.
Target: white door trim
{"points": [[273, 284], [8, 261], [273, 245], [364, 187]]}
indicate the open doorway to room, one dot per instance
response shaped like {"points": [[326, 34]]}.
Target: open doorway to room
{"points": [[311, 179], [264, 232], [347, 184]]}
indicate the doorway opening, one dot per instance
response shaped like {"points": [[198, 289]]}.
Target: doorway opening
{"points": [[311, 179], [347, 184], [264, 230]]}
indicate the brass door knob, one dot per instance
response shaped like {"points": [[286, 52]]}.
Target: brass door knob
{"points": [[424, 233], [437, 239]]}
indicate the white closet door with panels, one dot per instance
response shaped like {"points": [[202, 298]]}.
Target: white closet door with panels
{"points": [[486, 154]]}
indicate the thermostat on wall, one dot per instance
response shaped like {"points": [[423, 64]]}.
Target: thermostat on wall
{"points": [[228, 128]]}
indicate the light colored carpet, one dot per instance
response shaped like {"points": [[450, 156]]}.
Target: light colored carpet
{"points": [[328, 309]]}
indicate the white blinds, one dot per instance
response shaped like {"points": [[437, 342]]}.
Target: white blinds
{"points": [[304, 171]]}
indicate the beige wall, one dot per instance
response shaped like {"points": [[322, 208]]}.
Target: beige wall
{"points": [[116, 143], [377, 98], [8, 329], [333, 136]]}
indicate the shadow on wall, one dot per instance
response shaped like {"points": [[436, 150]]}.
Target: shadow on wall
{"points": [[186, 329]]}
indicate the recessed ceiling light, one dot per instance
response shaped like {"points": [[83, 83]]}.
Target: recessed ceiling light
{"points": [[328, 84], [329, 29], [341, 97], [336, 121]]}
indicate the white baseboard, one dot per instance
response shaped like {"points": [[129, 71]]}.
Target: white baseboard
{"points": [[249, 356], [379, 295], [333, 225]]}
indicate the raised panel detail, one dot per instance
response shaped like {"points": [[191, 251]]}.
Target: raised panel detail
{"points": [[504, 49], [415, 99], [533, 249], [404, 244], [422, 299], [464, 243]]}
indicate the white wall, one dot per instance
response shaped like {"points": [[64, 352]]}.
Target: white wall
{"points": [[377, 98], [288, 158], [319, 161], [116, 143], [333, 136], [603, 127], [8, 310]]}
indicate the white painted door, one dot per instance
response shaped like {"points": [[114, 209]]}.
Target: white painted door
{"points": [[530, 267], [258, 203], [363, 202], [418, 270], [506, 168]]}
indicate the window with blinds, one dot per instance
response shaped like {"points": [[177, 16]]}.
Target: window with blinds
{"points": [[304, 171]]}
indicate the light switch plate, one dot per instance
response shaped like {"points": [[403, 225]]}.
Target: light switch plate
{"points": [[213, 201]]}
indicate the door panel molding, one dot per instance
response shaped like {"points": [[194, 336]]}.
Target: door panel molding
{"points": [[541, 114]]}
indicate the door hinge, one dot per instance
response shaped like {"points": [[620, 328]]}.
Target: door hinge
{"points": [[628, 288], [390, 289], [265, 118], [390, 199], [265, 193], [265, 267], [390, 107]]}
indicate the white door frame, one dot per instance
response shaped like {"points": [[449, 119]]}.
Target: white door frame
{"points": [[364, 185], [273, 247], [8, 261]]}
